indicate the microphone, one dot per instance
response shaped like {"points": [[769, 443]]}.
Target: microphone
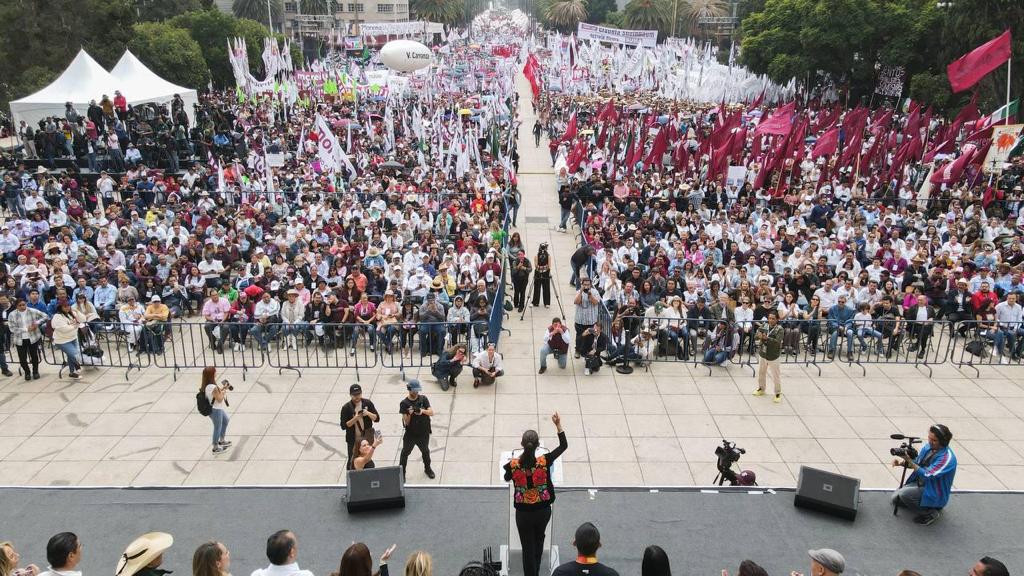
{"points": [[897, 437]]}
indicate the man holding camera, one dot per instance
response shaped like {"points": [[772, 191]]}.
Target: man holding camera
{"points": [[357, 418], [416, 412], [587, 302], [927, 490]]}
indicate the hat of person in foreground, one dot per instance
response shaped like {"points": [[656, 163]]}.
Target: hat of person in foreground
{"points": [[142, 551]]}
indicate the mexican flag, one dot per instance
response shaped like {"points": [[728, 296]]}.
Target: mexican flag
{"points": [[1006, 111]]}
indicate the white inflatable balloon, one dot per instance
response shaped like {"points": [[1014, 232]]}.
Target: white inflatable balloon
{"points": [[405, 55]]}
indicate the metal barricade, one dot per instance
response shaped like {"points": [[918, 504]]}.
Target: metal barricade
{"points": [[976, 343], [107, 345], [891, 341], [302, 346], [682, 341], [420, 345], [200, 344]]}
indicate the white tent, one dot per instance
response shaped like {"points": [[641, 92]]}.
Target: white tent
{"points": [[82, 81], [140, 85]]}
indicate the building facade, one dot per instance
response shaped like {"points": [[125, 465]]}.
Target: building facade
{"points": [[344, 15]]}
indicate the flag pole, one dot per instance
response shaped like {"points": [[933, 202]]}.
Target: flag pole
{"points": [[1009, 66]]}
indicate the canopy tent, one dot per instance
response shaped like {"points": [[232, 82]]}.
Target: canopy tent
{"points": [[82, 81], [140, 85]]}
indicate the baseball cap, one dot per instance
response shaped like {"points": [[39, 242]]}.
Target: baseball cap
{"points": [[832, 561], [414, 386], [355, 389]]}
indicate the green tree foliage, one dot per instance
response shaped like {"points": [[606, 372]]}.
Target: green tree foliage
{"points": [[160, 10], [39, 39], [171, 53], [614, 19], [566, 14], [211, 30], [649, 15], [846, 39], [257, 10], [443, 11], [597, 10]]}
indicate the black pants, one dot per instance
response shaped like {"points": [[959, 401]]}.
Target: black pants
{"points": [[531, 523], [519, 292], [541, 283], [28, 350], [421, 442]]}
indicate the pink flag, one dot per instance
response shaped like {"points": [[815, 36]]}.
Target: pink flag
{"points": [[965, 71], [779, 123]]}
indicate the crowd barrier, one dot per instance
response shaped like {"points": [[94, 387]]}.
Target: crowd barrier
{"points": [[292, 347], [893, 341]]}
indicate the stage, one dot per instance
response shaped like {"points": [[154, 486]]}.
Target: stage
{"points": [[702, 533]]}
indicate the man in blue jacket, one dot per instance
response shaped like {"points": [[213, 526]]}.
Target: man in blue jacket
{"points": [[928, 489], [840, 322]]}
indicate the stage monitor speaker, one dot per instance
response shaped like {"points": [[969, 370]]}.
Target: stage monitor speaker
{"points": [[827, 492], [375, 489]]}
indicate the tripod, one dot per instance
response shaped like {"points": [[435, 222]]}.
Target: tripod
{"points": [[903, 480]]}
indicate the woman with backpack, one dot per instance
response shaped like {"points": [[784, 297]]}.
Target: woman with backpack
{"points": [[212, 401]]}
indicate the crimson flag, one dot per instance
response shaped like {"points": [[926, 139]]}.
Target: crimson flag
{"points": [[952, 171], [965, 71], [657, 149], [781, 122], [570, 129], [827, 143]]}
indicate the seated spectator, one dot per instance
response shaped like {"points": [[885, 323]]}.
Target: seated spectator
{"points": [[586, 541], [283, 552], [145, 555], [63, 553]]}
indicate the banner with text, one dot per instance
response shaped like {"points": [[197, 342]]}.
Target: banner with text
{"points": [[400, 28], [890, 81], [648, 38]]}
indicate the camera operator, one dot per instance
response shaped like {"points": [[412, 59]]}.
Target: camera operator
{"points": [[587, 302], [542, 276], [416, 412], [927, 490], [217, 396], [357, 418], [556, 341]]}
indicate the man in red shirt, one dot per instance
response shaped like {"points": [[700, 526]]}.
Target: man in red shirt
{"points": [[120, 104], [984, 298]]}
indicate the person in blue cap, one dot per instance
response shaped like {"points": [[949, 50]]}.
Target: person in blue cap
{"points": [[416, 412]]}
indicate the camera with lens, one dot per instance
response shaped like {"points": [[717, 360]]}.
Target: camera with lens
{"points": [[906, 449], [226, 384], [728, 453]]}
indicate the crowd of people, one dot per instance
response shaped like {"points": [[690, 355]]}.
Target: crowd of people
{"points": [[690, 265], [403, 247], [145, 557]]}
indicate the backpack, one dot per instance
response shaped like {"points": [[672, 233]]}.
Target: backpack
{"points": [[203, 403]]}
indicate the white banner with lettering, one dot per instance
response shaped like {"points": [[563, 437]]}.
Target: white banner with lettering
{"points": [[648, 38], [400, 28]]}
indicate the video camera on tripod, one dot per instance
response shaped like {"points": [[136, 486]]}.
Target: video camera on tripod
{"points": [[728, 454], [906, 451]]}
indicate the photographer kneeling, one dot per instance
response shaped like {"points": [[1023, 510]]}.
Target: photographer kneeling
{"points": [[928, 488]]}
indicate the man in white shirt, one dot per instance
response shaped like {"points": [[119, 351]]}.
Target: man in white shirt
{"points": [[826, 295], [282, 551], [1009, 318], [487, 366], [266, 313], [211, 270], [64, 553]]}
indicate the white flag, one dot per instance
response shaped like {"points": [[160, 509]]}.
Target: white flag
{"points": [[327, 145]]}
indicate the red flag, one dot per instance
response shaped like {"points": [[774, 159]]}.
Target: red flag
{"points": [[570, 129], [952, 171], [720, 158], [781, 122], [658, 148], [757, 102], [965, 71], [827, 144]]}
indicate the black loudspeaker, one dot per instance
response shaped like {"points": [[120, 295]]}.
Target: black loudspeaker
{"points": [[375, 489], [827, 492]]}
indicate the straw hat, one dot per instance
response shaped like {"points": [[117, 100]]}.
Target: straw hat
{"points": [[142, 551]]}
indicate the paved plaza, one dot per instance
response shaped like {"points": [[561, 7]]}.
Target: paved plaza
{"points": [[656, 427]]}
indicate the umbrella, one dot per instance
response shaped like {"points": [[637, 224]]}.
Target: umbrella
{"points": [[393, 164], [635, 107]]}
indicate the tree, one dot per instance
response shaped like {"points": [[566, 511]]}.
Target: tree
{"points": [[648, 15], [614, 20], [442, 11], [597, 10], [171, 53], [257, 10], [160, 10], [211, 30], [566, 14], [691, 12]]}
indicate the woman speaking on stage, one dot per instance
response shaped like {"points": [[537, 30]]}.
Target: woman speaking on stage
{"points": [[533, 493]]}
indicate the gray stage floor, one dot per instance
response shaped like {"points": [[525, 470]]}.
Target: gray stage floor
{"points": [[702, 533]]}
